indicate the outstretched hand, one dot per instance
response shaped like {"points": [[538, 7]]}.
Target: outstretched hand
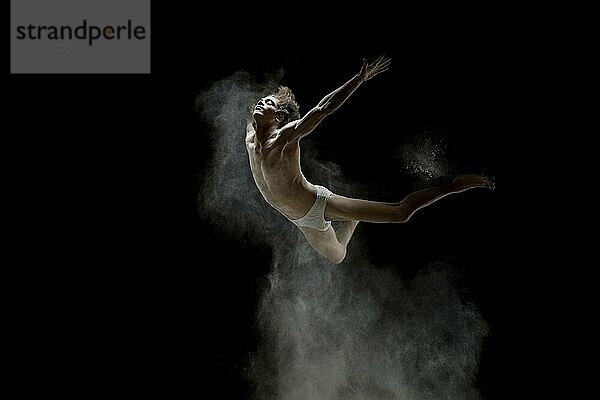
{"points": [[376, 67]]}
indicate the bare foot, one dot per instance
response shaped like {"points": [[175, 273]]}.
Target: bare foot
{"points": [[464, 182]]}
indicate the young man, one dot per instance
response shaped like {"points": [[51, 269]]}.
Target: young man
{"points": [[272, 139]]}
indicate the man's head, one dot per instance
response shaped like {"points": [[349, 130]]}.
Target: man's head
{"points": [[280, 106]]}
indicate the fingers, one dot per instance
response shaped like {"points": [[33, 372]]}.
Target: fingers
{"points": [[385, 61], [385, 64], [373, 73], [379, 59], [380, 70], [381, 63]]}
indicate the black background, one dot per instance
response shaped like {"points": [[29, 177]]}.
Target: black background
{"points": [[122, 287]]}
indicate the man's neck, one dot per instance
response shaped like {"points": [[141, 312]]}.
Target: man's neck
{"points": [[264, 132]]}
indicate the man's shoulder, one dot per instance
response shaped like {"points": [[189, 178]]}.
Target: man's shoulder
{"points": [[282, 143], [250, 142]]}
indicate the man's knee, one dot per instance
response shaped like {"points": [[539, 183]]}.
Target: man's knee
{"points": [[402, 212], [338, 255]]}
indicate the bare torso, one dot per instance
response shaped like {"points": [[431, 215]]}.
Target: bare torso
{"points": [[276, 171]]}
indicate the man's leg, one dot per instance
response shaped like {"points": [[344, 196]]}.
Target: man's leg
{"points": [[344, 208], [327, 244], [344, 233]]}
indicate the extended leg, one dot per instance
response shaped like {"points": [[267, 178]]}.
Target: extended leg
{"points": [[422, 198], [344, 208]]}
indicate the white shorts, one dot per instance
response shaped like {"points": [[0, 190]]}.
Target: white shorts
{"points": [[315, 217]]}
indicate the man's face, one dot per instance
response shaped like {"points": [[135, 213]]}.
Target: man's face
{"points": [[266, 108]]}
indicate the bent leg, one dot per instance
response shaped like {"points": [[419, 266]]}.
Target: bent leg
{"points": [[345, 232], [331, 244], [345, 208]]}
